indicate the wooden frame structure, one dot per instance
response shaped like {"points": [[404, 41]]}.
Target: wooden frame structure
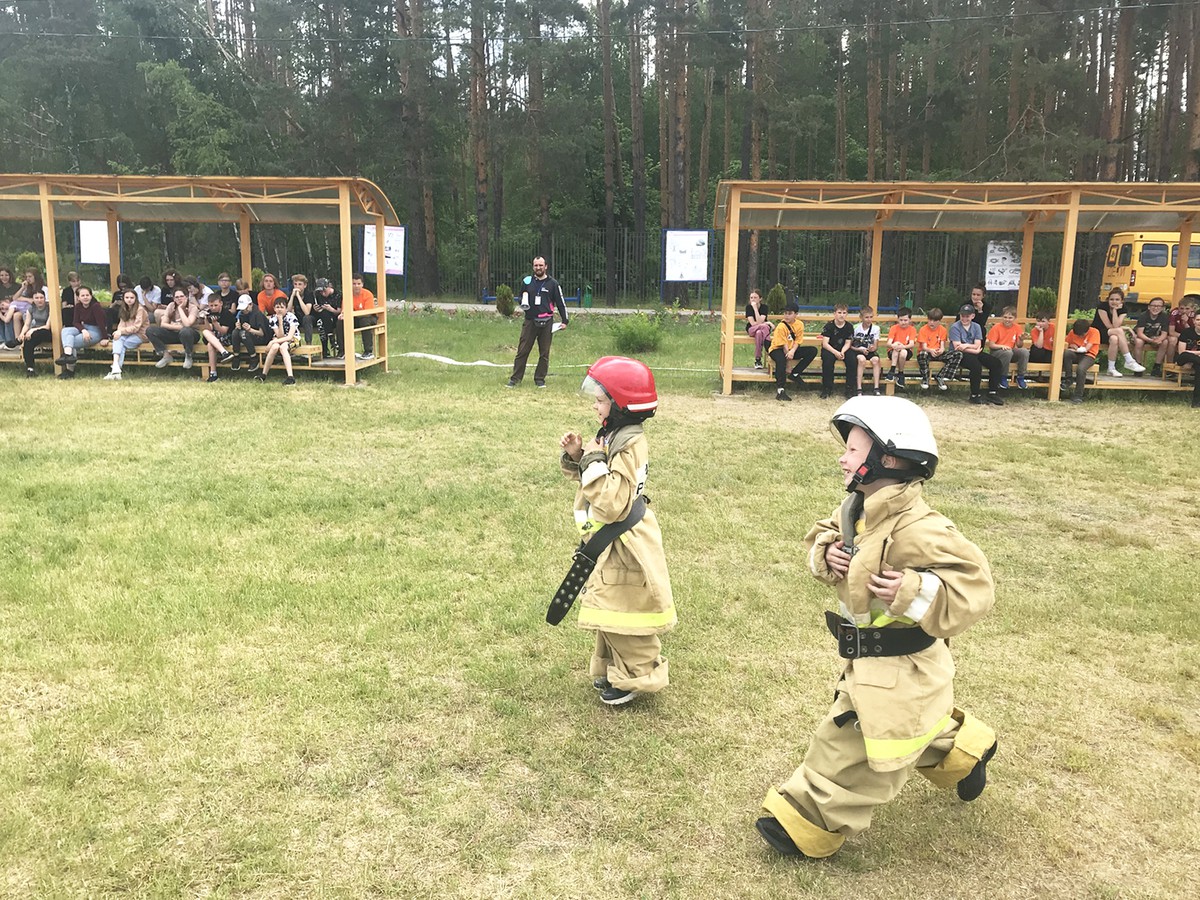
{"points": [[998, 208], [343, 202]]}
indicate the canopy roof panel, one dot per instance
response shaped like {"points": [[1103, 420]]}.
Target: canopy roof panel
{"points": [[954, 206], [171, 198]]}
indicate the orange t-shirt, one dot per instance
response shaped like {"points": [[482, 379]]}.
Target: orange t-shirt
{"points": [[933, 337], [1047, 338], [364, 299], [1092, 339], [902, 334], [1005, 335], [266, 302]]}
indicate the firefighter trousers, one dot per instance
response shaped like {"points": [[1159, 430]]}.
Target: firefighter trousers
{"points": [[631, 662]]}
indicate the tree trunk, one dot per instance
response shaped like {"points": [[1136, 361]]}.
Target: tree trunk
{"points": [[1192, 150], [611, 159], [873, 90], [479, 144], [1122, 68], [840, 167], [637, 136], [536, 112], [663, 66], [705, 140]]}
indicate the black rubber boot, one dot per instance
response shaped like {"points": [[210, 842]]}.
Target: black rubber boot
{"points": [[972, 786], [779, 840]]}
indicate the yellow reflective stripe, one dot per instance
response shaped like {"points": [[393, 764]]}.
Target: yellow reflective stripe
{"points": [[610, 618], [884, 619], [895, 748]]}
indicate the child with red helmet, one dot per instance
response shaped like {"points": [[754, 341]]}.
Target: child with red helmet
{"points": [[626, 599]]}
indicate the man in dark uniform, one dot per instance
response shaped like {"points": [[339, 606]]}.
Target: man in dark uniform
{"points": [[540, 295]]}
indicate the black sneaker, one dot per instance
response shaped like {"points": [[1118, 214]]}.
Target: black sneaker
{"points": [[259, 378], [900, 383], [824, 395], [226, 356], [797, 379], [212, 376], [977, 399], [972, 786], [772, 832], [601, 684], [66, 373], [890, 376], [1156, 371], [29, 373], [511, 383], [235, 364], [255, 366], [289, 380], [64, 360], [539, 384], [994, 399], [614, 696], [781, 394], [877, 392]]}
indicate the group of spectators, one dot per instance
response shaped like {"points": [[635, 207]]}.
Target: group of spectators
{"points": [[969, 344], [229, 321]]}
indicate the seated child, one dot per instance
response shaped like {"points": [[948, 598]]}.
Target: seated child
{"points": [[1004, 340], [786, 347], [1041, 339], [901, 340], [8, 333], [757, 325], [1182, 318], [864, 347], [251, 329], [836, 337], [219, 324], [967, 337], [284, 336], [1082, 345], [933, 342], [36, 329], [1188, 354], [1151, 334]]}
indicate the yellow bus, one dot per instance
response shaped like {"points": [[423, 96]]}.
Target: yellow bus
{"points": [[1142, 263]]}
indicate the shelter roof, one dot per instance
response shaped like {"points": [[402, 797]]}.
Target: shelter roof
{"points": [[182, 198], [955, 206]]}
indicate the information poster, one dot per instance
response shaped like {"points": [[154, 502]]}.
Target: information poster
{"points": [[93, 242], [1003, 270], [685, 256], [393, 249]]}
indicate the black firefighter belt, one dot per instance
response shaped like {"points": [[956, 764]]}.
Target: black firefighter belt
{"points": [[586, 556], [857, 643]]}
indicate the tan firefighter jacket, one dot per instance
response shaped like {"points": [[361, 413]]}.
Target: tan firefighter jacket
{"points": [[629, 592], [904, 702]]}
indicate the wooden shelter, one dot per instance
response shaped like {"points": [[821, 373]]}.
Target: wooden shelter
{"points": [[343, 202], [994, 208]]}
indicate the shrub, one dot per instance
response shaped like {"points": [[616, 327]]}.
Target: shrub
{"points": [[28, 260], [945, 298], [504, 301], [636, 333], [103, 296], [776, 299], [1042, 298]]}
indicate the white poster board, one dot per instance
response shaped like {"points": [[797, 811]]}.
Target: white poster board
{"points": [[93, 242], [1003, 266], [393, 249], [685, 256]]}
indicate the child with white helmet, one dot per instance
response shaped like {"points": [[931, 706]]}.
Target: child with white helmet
{"points": [[620, 572], [907, 580]]}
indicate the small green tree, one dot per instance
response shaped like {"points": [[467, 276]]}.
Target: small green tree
{"points": [[637, 333], [776, 299], [1042, 298], [504, 301]]}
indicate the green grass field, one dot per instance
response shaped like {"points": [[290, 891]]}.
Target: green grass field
{"points": [[260, 642]]}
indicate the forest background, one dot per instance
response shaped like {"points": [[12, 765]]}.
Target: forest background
{"points": [[578, 130]]}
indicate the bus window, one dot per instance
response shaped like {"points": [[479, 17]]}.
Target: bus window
{"points": [[1112, 256], [1126, 255], [1154, 256], [1193, 256]]}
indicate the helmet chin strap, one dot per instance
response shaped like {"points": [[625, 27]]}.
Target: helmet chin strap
{"points": [[872, 469]]}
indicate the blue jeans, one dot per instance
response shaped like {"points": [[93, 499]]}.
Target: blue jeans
{"points": [[120, 346], [74, 339], [8, 333]]}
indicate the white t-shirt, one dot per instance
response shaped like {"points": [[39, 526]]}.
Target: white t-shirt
{"points": [[154, 295]]}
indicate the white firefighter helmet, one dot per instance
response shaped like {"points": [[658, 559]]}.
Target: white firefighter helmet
{"points": [[898, 427]]}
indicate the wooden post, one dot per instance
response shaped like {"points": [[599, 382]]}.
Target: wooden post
{"points": [[1026, 268], [729, 286], [1181, 261], [347, 282], [876, 264], [50, 251], [114, 251], [244, 241], [381, 290], [1064, 293]]}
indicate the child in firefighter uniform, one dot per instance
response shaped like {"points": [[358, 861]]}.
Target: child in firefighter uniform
{"points": [[907, 580], [626, 599]]}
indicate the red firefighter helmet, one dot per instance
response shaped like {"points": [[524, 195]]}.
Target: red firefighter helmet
{"points": [[628, 382]]}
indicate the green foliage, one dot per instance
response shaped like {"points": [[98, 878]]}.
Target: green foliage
{"points": [[103, 295], [833, 298], [636, 333], [1042, 298], [504, 301], [945, 298], [28, 260], [256, 277], [776, 299], [204, 134]]}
